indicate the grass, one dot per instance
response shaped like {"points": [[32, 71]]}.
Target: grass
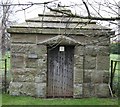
{"points": [[22, 100], [2, 65]]}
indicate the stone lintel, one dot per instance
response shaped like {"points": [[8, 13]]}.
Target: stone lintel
{"points": [[56, 31]]}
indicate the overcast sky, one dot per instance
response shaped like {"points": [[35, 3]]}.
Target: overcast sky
{"points": [[79, 9]]}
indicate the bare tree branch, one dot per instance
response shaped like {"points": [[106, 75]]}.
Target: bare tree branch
{"points": [[27, 4], [86, 8], [25, 8], [86, 17]]}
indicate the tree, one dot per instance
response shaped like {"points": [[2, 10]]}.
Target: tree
{"points": [[115, 48], [5, 22]]}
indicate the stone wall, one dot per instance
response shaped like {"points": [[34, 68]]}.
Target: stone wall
{"points": [[78, 72], [96, 71], [91, 71], [29, 67]]}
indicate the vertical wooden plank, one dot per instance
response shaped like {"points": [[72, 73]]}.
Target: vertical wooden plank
{"points": [[65, 73], [61, 73], [63, 69], [51, 73], [68, 71], [72, 71], [58, 78], [67, 66], [48, 74], [55, 73], [47, 71]]}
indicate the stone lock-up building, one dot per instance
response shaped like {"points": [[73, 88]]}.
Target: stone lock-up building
{"points": [[55, 55]]}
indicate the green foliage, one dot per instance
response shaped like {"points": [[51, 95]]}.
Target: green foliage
{"points": [[2, 64], [116, 79], [115, 48], [22, 100]]}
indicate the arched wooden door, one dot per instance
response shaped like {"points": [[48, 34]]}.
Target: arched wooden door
{"points": [[60, 71]]}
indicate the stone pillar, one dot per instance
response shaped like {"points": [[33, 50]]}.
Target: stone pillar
{"points": [[41, 76], [78, 72]]}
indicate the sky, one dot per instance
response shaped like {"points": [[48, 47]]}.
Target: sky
{"points": [[80, 9], [35, 10]]}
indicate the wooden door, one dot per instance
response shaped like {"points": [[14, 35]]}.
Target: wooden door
{"points": [[60, 72]]}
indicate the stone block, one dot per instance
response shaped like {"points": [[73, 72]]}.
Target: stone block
{"points": [[103, 62], [40, 78], [90, 51], [78, 66], [23, 78], [41, 38], [40, 89], [23, 38], [79, 50], [88, 90], [78, 38], [22, 88], [103, 41], [24, 71], [97, 77], [106, 77], [87, 76], [14, 88], [78, 75], [42, 66], [28, 89], [31, 71], [41, 50], [43, 56], [42, 63], [17, 71], [100, 76], [103, 50], [90, 62], [102, 90], [31, 63], [97, 50], [78, 92], [23, 48], [78, 61], [40, 71], [17, 61]]}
